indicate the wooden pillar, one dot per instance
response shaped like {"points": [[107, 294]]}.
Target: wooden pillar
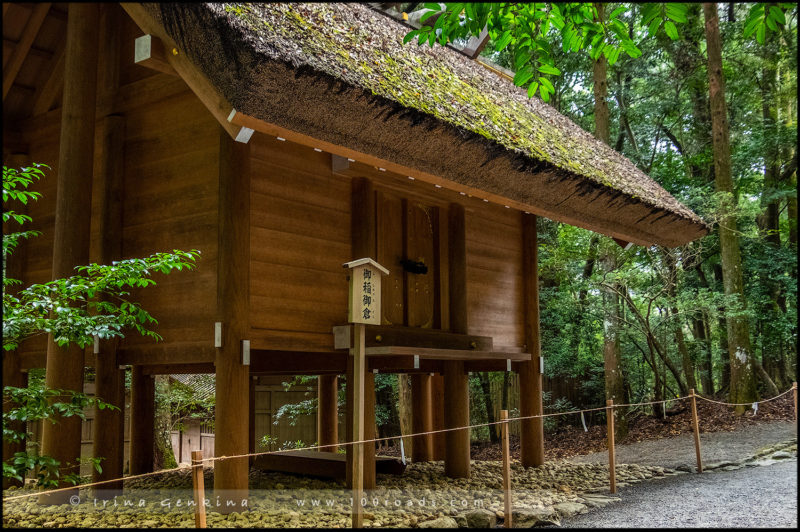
{"points": [[328, 412], [363, 244], [232, 390], [421, 421], [12, 374], [251, 416], [64, 366], [530, 373], [109, 424], [109, 381], [437, 415], [456, 380], [369, 430], [143, 404]]}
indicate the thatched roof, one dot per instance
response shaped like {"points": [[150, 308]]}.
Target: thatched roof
{"points": [[340, 73]]}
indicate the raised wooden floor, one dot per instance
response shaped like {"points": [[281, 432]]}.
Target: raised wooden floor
{"points": [[320, 464]]}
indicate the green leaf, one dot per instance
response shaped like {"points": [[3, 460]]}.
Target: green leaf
{"points": [[532, 89], [617, 12], [653, 27], [549, 69], [410, 35], [674, 13], [776, 14], [771, 24], [546, 83], [761, 33], [544, 93], [504, 40], [671, 30], [522, 76]]}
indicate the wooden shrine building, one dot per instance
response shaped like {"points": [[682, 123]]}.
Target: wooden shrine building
{"points": [[282, 141]]}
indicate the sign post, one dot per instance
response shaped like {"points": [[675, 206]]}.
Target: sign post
{"points": [[364, 307]]}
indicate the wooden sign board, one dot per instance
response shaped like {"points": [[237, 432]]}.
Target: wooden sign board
{"points": [[364, 301]]}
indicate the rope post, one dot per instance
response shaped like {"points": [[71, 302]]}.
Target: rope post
{"points": [[612, 473], [794, 389], [506, 469], [696, 427], [199, 490]]}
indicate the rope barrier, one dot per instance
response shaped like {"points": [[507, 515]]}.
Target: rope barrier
{"points": [[373, 440], [744, 404]]}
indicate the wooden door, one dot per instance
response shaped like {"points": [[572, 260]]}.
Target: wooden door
{"points": [[408, 230]]}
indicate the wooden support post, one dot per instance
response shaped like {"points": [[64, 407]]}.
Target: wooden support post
{"points": [[421, 420], [456, 414], [233, 284], [612, 472], [456, 381], [356, 380], [696, 427], [368, 451], [794, 388], [12, 372], [437, 415], [328, 412], [143, 397], [198, 485], [364, 244], [530, 373], [109, 380], [251, 417], [12, 376], [64, 367], [506, 470]]}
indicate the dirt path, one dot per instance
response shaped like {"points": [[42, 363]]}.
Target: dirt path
{"points": [[715, 446], [752, 497]]}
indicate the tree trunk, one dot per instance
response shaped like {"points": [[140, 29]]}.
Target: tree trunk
{"points": [[488, 405], [742, 388], [686, 359], [611, 351], [404, 410], [706, 367], [164, 454]]}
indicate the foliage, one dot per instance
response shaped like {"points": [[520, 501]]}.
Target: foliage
{"points": [[531, 28], [34, 403], [91, 304]]}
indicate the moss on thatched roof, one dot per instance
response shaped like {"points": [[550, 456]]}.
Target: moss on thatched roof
{"points": [[363, 49]]}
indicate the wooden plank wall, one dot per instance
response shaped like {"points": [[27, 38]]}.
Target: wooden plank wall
{"points": [[170, 190], [300, 236], [299, 239]]}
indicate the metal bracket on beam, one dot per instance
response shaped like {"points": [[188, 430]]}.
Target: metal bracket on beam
{"points": [[149, 52], [217, 334], [541, 365], [245, 352], [416, 361], [244, 133], [96, 345], [508, 364]]}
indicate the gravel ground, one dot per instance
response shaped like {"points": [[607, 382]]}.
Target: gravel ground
{"points": [[714, 446], [752, 497]]}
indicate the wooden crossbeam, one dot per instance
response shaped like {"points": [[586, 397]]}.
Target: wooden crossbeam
{"points": [[217, 105], [24, 45], [47, 93]]}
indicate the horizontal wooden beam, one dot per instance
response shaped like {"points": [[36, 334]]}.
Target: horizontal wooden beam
{"points": [[177, 369], [148, 51], [445, 354], [377, 335], [217, 105]]}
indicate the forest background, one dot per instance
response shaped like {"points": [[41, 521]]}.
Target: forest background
{"points": [[662, 319]]}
